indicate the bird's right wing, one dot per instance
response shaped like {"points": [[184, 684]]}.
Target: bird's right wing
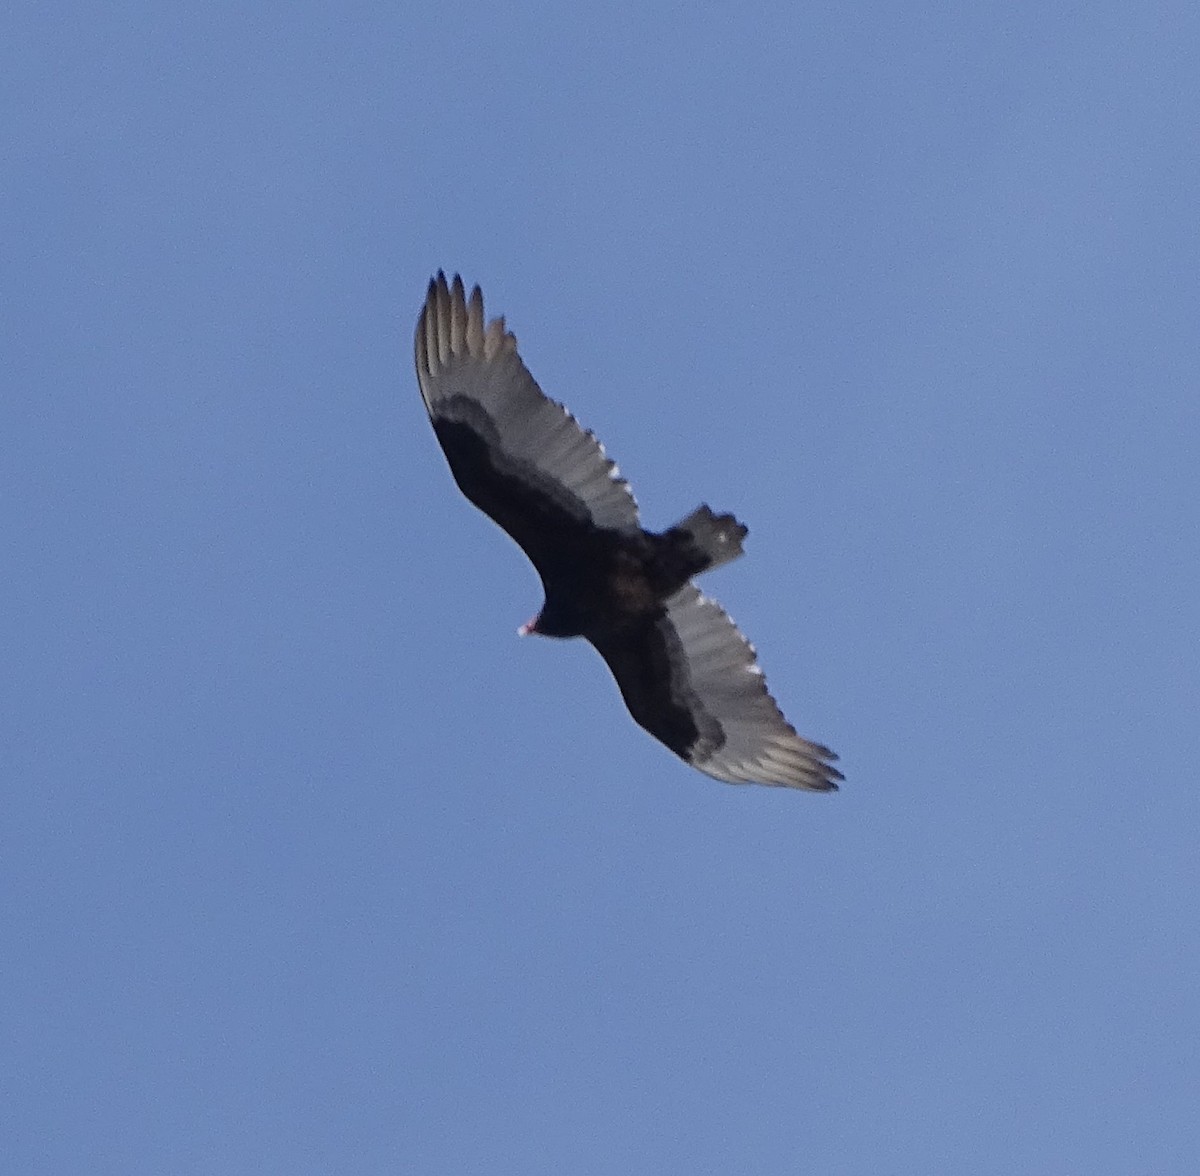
{"points": [[517, 455], [691, 679]]}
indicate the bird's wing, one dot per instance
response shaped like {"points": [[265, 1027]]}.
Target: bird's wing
{"points": [[690, 678], [517, 455]]}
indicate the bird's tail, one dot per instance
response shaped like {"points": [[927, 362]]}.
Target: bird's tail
{"points": [[716, 537]]}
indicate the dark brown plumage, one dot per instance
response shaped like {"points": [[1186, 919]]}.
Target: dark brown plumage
{"points": [[687, 675]]}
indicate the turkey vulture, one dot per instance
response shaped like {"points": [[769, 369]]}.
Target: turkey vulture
{"points": [[687, 675]]}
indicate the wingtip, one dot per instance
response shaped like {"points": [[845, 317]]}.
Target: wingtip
{"points": [[827, 777], [452, 323], [831, 781]]}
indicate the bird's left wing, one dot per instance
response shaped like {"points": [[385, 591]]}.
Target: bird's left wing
{"points": [[691, 679], [519, 456]]}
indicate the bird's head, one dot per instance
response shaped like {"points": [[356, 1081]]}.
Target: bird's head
{"points": [[558, 618], [530, 626]]}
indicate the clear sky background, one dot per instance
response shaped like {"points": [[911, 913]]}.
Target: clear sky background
{"points": [[308, 864]]}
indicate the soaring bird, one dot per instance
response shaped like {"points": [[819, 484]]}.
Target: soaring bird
{"points": [[687, 674]]}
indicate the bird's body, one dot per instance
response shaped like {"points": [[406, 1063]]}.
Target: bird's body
{"points": [[687, 675]]}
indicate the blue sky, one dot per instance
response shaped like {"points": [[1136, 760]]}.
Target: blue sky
{"points": [[308, 864]]}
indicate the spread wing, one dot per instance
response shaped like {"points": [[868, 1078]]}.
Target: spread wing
{"points": [[517, 455], [690, 678]]}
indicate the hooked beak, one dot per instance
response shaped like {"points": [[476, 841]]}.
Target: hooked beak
{"points": [[530, 626]]}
